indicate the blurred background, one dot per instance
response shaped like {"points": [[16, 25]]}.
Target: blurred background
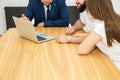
{"points": [[23, 3]]}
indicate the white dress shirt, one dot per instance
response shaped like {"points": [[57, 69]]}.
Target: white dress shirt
{"points": [[45, 8]]}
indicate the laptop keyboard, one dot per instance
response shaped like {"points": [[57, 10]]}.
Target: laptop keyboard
{"points": [[40, 38]]}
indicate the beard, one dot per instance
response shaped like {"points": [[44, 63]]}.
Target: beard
{"points": [[82, 7]]}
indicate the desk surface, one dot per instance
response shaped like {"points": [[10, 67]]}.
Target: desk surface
{"points": [[21, 59]]}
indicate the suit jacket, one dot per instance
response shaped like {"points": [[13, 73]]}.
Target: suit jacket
{"points": [[58, 13]]}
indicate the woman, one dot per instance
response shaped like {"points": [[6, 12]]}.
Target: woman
{"points": [[105, 34]]}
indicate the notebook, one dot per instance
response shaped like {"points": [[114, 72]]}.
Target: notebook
{"points": [[26, 30]]}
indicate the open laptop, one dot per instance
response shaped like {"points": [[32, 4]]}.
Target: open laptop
{"points": [[26, 30]]}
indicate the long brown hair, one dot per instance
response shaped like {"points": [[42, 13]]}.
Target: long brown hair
{"points": [[103, 10]]}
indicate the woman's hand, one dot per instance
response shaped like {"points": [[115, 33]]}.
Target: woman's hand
{"points": [[61, 39]]}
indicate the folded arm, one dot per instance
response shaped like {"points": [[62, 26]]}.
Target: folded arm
{"points": [[89, 43]]}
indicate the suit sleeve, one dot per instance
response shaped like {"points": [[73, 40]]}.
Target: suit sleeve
{"points": [[63, 19], [29, 10]]}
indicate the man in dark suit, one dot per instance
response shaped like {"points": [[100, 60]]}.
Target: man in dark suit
{"points": [[57, 15]]}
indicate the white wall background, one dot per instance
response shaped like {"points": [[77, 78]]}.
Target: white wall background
{"points": [[116, 5], [4, 3]]}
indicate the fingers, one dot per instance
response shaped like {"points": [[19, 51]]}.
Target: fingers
{"points": [[41, 24], [24, 17], [61, 39], [57, 39], [70, 30]]}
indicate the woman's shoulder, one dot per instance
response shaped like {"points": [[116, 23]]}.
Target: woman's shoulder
{"points": [[99, 27]]}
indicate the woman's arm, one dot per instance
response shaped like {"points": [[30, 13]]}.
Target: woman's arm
{"points": [[75, 39], [78, 38], [89, 43]]}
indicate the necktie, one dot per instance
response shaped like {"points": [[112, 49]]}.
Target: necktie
{"points": [[48, 13]]}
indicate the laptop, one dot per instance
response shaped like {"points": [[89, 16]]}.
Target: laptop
{"points": [[26, 30]]}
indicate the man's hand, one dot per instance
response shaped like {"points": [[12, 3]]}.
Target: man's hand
{"points": [[70, 30], [41, 24], [24, 17]]}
